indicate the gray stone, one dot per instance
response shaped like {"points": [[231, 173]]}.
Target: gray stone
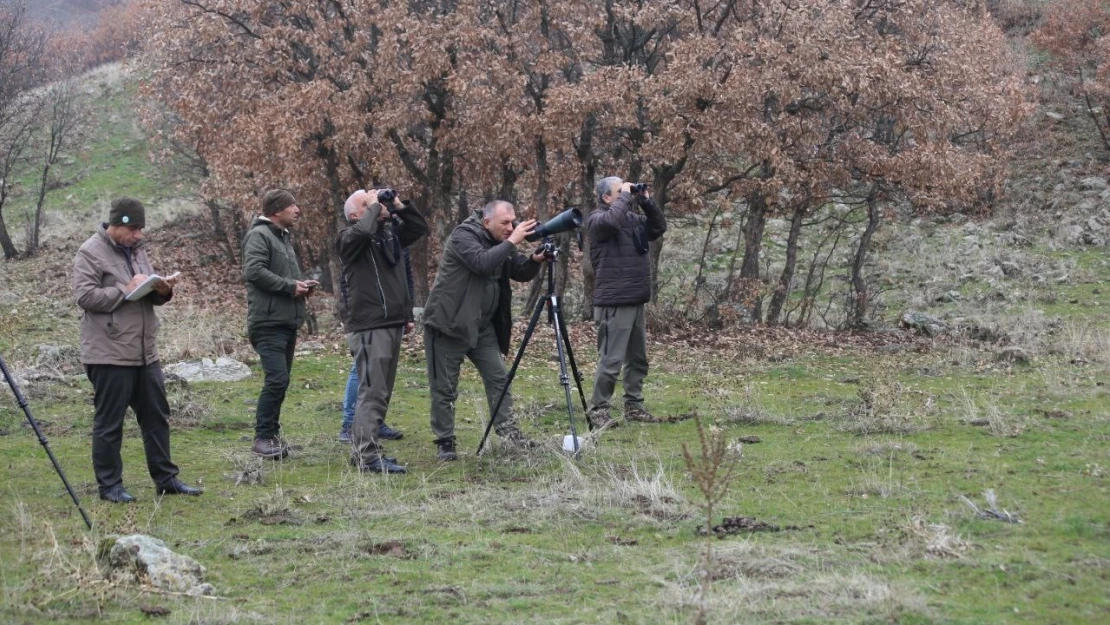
{"points": [[1056, 117], [223, 369], [923, 323], [1009, 269], [7, 298], [1094, 183], [310, 346], [949, 297], [1012, 354], [140, 559], [58, 357]]}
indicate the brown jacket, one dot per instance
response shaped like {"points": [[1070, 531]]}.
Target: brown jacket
{"points": [[114, 331]]}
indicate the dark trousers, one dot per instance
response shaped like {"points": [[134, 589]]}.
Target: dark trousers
{"points": [[142, 388], [275, 348]]}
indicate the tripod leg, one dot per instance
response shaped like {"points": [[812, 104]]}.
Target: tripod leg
{"points": [[42, 439], [574, 370], [512, 373], [563, 378]]}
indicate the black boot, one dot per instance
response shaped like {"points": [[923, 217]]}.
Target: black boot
{"points": [[116, 494], [446, 449], [382, 465]]}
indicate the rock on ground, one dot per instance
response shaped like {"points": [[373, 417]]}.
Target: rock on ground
{"points": [[141, 559], [206, 370]]}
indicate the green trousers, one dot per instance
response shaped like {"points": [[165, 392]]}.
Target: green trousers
{"points": [[444, 356], [621, 342]]}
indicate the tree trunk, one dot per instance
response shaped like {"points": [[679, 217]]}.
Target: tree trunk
{"points": [[36, 224], [786, 278], [584, 151], [542, 213], [858, 303], [215, 210], [753, 245], [10, 250]]}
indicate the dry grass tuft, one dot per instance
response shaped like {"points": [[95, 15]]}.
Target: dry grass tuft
{"points": [[751, 411], [937, 539], [885, 406], [189, 332], [998, 421], [761, 583]]}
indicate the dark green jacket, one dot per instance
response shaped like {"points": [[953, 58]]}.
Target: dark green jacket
{"points": [[374, 269], [271, 272], [471, 260]]}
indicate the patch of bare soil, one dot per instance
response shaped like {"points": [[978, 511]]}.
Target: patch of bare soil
{"points": [[731, 526], [391, 548]]}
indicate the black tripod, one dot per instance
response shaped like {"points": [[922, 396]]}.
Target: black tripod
{"points": [[562, 342], [42, 438]]}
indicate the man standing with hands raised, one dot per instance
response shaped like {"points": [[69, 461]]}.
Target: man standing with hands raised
{"points": [[468, 316], [275, 311], [371, 247]]}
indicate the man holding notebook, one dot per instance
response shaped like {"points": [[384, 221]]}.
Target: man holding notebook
{"points": [[119, 348]]}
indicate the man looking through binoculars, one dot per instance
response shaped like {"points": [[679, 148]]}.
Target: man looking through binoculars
{"points": [[468, 314], [370, 248], [619, 238]]}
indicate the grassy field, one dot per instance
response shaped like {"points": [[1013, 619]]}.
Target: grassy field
{"points": [[862, 461]]}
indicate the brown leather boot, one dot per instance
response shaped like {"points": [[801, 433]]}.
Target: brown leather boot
{"points": [[600, 419], [270, 448], [637, 413]]}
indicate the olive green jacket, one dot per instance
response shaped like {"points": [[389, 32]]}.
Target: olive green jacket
{"points": [[472, 260], [271, 272]]}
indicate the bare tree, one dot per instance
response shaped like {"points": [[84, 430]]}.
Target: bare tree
{"points": [[63, 116], [21, 53]]}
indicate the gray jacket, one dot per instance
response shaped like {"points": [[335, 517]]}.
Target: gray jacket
{"points": [[619, 239], [114, 331]]}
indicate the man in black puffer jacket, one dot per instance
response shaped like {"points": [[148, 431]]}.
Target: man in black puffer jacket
{"points": [[370, 249], [619, 238]]}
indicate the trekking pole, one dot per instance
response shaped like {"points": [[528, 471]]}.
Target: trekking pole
{"points": [[42, 438]]}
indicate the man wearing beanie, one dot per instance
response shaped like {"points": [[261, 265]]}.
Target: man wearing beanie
{"points": [[119, 349], [275, 311]]}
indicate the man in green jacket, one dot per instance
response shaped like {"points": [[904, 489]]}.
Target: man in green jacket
{"points": [[119, 348], [275, 311], [468, 315], [371, 250]]}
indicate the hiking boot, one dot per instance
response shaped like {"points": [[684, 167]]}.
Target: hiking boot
{"points": [[600, 419], [446, 450], [345, 433], [512, 436], [270, 448], [387, 433], [382, 465], [637, 413]]}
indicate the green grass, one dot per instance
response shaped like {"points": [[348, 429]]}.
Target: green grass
{"points": [[609, 539]]}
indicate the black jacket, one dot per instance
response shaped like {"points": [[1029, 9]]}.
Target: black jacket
{"points": [[618, 249], [374, 268], [472, 262]]}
